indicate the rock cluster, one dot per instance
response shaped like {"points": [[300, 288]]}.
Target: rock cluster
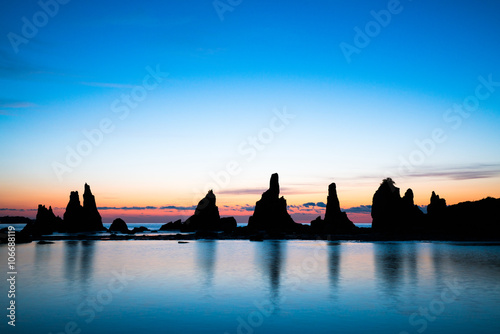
{"points": [[86, 218], [390, 212], [46, 222]]}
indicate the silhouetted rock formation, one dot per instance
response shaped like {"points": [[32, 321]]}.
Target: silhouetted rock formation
{"points": [[335, 221], [92, 216], [437, 206], [16, 220], [270, 212], [228, 223], [140, 229], [318, 225], [206, 217], [479, 218], [206, 214], [119, 225], [84, 218], [391, 213], [172, 226], [412, 214], [437, 221], [385, 207], [45, 223], [73, 216], [468, 219]]}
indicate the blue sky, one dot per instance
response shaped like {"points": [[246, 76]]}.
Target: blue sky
{"points": [[353, 121]]}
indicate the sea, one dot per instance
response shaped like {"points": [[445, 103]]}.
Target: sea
{"points": [[240, 286]]}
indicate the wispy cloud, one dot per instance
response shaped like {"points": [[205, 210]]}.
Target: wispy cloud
{"points": [[464, 172], [8, 107], [469, 172], [180, 208], [359, 209], [149, 207], [16, 104], [246, 207], [127, 208], [245, 191], [312, 204]]}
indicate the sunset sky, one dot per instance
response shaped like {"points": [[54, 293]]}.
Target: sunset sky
{"points": [[152, 103]]}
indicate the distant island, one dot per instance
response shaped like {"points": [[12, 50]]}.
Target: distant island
{"points": [[394, 218]]}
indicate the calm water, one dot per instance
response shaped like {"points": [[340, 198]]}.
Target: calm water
{"points": [[255, 287]]}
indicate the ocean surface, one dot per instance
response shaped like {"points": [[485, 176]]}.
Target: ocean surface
{"points": [[254, 287]]}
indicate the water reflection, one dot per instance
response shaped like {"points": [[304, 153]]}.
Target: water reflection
{"points": [[411, 260], [334, 254], [79, 262], [42, 257], [396, 268], [205, 259], [271, 256], [70, 259], [86, 260], [438, 258], [388, 262]]}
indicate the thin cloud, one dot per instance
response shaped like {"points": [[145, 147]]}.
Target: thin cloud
{"points": [[359, 209], [127, 208], [245, 191], [242, 191], [8, 106], [469, 172], [179, 208], [246, 207], [16, 104], [461, 173]]}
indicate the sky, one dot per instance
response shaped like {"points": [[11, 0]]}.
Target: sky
{"points": [[153, 103]]}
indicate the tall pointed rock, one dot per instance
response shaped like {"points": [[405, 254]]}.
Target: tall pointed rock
{"points": [[92, 216], [335, 220], [206, 217], [74, 219], [270, 212]]}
